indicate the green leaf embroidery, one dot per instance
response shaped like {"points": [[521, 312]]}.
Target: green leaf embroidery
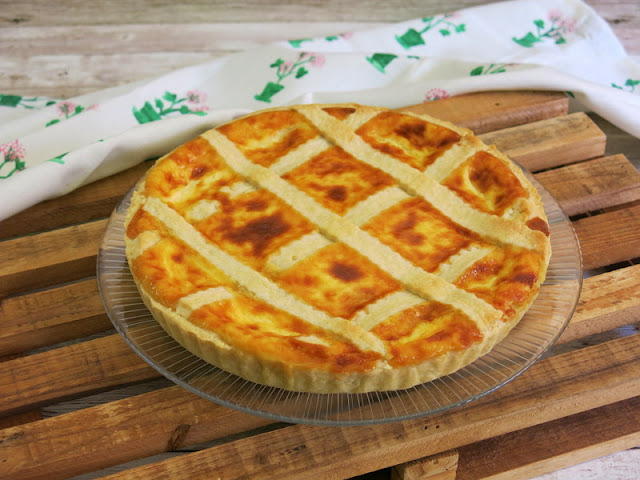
{"points": [[629, 85], [554, 30], [270, 89], [527, 41], [10, 100], [297, 43], [172, 104], [410, 38], [381, 60], [170, 97], [283, 70], [14, 101], [58, 159], [442, 23], [490, 69]]}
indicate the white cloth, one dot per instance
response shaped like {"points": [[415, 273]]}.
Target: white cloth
{"points": [[50, 147]]}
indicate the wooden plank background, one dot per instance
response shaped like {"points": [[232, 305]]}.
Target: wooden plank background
{"points": [[70, 47]]}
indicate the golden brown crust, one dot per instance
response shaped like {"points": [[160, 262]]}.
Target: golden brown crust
{"points": [[337, 248]]}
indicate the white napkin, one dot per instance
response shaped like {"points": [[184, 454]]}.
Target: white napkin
{"points": [[50, 147]]}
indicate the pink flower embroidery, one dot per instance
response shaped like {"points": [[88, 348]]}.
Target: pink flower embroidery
{"points": [[435, 94], [196, 96], [347, 35], [318, 60], [66, 108], [12, 151], [568, 24], [11, 155]]}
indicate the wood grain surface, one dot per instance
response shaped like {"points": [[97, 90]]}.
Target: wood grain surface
{"points": [[63, 49], [77, 402]]}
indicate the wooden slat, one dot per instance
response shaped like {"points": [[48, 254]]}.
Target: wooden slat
{"points": [[593, 185], [609, 238], [91, 202], [550, 143], [144, 425], [488, 111], [570, 383], [49, 258], [117, 432], [69, 371], [51, 316], [607, 301], [526, 453], [442, 466]]}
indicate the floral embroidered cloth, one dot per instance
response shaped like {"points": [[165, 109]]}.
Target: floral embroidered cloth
{"points": [[49, 147]]}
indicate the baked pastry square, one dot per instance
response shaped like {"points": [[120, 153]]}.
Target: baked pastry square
{"points": [[337, 248]]}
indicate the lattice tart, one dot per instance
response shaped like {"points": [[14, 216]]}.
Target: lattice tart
{"points": [[337, 248]]}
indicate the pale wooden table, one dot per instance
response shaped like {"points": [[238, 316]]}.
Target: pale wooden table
{"points": [[70, 47]]}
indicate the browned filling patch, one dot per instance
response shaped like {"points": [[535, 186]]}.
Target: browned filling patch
{"points": [[409, 139], [339, 112], [486, 183], [142, 221], [191, 161], [337, 180], [421, 233], [537, 223], [170, 270], [338, 280], [267, 136], [253, 326], [506, 278], [254, 225], [426, 331]]}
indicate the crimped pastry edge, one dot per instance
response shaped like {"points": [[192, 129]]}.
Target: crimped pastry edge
{"points": [[208, 346]]}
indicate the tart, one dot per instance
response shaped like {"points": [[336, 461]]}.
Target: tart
{"points": [[337, 248]]}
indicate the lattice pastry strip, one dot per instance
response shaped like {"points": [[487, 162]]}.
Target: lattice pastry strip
{"points": [[323, 195], [338, 229]]}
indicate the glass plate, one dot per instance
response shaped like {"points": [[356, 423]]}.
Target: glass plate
{"points": [[535, 333]]}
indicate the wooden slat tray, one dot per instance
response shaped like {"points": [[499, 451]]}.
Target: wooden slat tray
{"points": [[76, 400]]}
